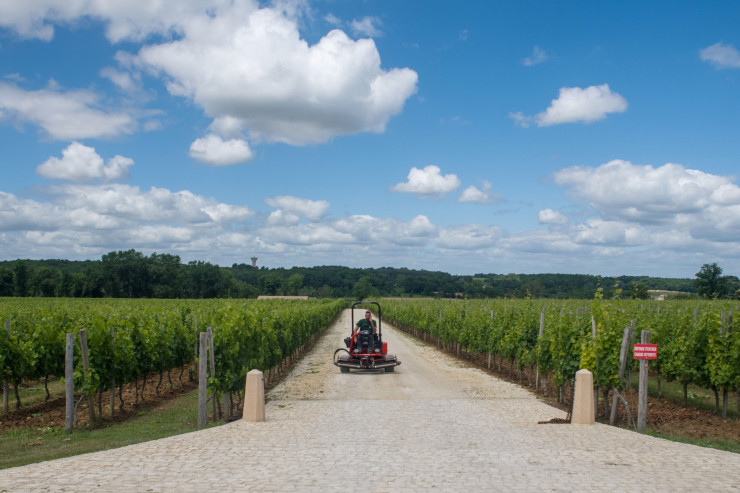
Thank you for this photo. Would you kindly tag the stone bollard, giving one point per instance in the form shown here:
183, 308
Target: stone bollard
254, 397
583, 400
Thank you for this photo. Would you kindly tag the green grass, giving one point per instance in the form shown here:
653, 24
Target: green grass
29, 446
34, 392
728, 445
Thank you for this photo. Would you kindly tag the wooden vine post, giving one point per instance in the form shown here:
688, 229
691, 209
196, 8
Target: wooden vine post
6, 387
539, 341
212, 368
596, 388
112, 378
86, 369
203, 380
623, 355
643, 387
69, 385
195, 345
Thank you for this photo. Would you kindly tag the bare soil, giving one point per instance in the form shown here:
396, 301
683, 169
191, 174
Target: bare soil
52, 413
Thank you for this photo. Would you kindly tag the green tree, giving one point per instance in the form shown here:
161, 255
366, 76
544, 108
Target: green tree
21, 278
93, 285
6, 282
166, 275
70, 284
732, 287
270, 283
709, 281
44, 281
126, 274
206, 280
363, 289
637, 291
294, 284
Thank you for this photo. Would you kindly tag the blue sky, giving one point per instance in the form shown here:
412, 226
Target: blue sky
466, 137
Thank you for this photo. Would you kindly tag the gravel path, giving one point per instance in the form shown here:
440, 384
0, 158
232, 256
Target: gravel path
434, 423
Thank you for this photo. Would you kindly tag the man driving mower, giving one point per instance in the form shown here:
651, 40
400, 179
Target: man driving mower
365, 348
366, 324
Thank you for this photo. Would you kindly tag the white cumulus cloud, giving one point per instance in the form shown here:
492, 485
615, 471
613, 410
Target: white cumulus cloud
609, 232
669, 197
538, 56
312, 210
80, 163
233, 59
158, 205
549, 216
483, 195
428, 182
132, 20
251, 64
215, 151
367, 26
63, 115
623, 189
575, 104
721, 55
387, 232
468, 237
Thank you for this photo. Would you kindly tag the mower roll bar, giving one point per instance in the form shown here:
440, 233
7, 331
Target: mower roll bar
380, 318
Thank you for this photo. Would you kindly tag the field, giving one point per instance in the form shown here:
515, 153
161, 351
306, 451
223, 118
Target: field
270, 334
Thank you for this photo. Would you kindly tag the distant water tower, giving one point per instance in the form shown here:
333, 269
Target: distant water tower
254, 261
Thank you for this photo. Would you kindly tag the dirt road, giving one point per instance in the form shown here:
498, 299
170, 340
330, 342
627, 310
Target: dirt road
424, 374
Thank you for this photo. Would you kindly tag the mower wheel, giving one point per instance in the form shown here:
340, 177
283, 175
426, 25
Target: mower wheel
344, 369
389, 369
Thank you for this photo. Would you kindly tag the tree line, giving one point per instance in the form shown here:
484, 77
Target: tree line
131, 274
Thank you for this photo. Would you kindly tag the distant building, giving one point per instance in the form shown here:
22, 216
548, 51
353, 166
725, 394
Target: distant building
265, 297
254, 261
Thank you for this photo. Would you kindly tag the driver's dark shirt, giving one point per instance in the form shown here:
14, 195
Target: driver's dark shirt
364, 324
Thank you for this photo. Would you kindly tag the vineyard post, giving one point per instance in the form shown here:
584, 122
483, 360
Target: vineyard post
195, 344
203, 381
86, 368
629, 367
69, 382
6, 387
726, 330
642, 390
596, 388
112, 378
228, 404
212, 363
489, 352
623, 353
539, 341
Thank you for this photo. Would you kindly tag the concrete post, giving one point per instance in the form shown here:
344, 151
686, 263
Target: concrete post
583, 400
254, 398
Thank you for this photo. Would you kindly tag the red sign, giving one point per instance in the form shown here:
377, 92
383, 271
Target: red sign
645, 351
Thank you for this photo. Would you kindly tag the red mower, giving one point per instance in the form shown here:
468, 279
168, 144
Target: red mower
365, 350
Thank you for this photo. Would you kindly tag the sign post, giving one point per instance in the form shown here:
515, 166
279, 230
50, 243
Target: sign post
644, 352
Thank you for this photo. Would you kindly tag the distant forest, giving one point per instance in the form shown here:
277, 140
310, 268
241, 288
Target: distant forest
130, 274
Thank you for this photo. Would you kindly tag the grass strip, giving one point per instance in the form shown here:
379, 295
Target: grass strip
727, 445
32, 445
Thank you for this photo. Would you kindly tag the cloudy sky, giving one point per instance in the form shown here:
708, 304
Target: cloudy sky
466, 137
